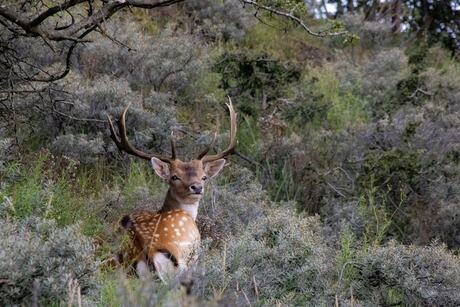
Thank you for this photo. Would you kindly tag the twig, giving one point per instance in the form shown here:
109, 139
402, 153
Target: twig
256, 289
79, 119
293, 18
335, 189
419, 90
113, 39
246, 297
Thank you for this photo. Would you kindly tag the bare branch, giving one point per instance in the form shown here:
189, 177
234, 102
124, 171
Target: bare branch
103, 32
294, 18
35, 26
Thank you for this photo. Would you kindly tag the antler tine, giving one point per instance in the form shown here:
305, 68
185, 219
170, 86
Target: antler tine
208, 148
123, 143
233, 142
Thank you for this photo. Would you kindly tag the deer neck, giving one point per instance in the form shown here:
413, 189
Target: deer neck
172, 202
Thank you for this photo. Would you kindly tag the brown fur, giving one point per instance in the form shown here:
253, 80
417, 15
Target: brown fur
172, 231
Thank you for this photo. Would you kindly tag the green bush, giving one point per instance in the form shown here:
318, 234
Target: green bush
278, 259
408, 275
254, 80
228, 208
38, 260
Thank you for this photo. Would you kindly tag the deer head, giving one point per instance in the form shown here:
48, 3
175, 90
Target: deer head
186, 179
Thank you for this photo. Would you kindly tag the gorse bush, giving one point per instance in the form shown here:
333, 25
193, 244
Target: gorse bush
79, 147
227, 209
221, 20
295, 269
38, 260
122, 291
402, 152
381, 76
407, 275
163, 63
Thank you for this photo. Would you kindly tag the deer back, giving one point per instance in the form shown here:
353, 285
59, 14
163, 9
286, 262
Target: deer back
174, 232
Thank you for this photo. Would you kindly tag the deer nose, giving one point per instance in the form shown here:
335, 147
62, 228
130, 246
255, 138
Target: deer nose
196, 188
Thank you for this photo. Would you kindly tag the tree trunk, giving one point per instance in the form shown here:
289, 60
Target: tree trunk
396, 16
426, 20
350, 6
339, 11
371, 12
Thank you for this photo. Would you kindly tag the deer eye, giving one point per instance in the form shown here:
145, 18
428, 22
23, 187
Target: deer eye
174, 177
204, 178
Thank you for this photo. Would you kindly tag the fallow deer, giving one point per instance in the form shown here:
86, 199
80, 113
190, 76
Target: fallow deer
166, 239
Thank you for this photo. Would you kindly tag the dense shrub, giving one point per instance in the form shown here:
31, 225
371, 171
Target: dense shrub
373, 35
380, 78
295, 270
227, 209
447, 223
255, 80
38, 260
408, 275
163, 63
221, 19
405, 168
88, 138
122, 291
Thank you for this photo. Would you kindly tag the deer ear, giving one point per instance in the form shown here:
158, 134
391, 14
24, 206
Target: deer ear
161, 168
214, 167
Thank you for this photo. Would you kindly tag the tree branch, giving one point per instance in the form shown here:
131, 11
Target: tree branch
34, 27
75, 32
292, 17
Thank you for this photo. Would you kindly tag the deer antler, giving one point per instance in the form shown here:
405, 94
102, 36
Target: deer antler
124, 145
233, 142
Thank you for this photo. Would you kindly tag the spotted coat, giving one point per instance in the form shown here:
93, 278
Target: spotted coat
173, 232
